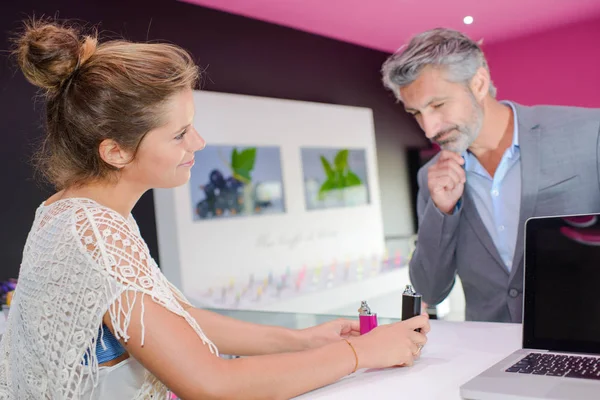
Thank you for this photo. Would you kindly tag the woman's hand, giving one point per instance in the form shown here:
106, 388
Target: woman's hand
391, 345
329, 332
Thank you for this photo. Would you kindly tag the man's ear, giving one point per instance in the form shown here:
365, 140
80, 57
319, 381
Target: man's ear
480, 84
112, 154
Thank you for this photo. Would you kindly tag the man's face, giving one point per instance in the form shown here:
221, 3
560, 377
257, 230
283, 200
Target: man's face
448, 112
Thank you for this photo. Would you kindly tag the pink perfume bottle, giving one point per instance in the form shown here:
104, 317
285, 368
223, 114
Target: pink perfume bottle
367, 319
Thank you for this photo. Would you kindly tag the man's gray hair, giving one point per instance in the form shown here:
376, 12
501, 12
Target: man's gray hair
460, 56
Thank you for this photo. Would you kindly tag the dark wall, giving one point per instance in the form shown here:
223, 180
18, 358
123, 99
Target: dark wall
241, 55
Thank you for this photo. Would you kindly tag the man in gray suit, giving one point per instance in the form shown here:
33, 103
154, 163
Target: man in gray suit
500, 163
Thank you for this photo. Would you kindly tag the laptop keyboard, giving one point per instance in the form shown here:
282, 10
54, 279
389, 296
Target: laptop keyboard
558, 365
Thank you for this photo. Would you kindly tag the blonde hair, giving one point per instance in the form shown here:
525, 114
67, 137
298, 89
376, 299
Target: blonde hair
96, 91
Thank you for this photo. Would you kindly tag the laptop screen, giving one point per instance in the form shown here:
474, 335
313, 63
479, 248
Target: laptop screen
562, 284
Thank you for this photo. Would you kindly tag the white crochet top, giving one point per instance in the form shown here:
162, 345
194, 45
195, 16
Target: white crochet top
78, 259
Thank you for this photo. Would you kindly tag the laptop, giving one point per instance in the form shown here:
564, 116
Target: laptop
560, 355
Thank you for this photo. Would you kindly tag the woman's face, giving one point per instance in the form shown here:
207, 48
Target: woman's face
166, 154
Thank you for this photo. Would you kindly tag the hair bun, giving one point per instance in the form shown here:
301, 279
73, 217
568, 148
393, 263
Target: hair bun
48, 53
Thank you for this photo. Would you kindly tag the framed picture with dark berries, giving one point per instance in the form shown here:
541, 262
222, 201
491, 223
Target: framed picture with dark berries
231, 181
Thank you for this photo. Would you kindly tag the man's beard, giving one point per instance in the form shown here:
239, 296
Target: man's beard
460, 137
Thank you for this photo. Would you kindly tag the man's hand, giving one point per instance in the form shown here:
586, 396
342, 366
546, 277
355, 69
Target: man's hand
446, 180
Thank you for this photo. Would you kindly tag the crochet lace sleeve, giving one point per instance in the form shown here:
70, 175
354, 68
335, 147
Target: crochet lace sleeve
176, 292
116, 246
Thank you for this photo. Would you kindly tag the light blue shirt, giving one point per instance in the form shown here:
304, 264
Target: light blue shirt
498, 199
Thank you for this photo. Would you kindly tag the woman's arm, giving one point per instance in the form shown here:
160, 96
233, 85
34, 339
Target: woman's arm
241, 338
174, 353
168, 346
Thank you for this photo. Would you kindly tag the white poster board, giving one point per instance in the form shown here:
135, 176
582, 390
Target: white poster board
200, 254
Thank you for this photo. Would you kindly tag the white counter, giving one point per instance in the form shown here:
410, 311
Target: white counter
455, 352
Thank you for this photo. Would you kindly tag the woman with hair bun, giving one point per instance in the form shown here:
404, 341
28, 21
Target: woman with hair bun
92, 316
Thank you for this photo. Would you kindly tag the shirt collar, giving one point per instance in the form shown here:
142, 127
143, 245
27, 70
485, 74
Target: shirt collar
515, 142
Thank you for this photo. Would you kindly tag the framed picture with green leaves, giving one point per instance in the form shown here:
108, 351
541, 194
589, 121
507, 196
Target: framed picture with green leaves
334, 177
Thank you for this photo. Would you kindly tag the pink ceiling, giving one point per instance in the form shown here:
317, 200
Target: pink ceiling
386, 24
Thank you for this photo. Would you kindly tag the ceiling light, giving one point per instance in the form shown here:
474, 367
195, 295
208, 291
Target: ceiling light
468, 20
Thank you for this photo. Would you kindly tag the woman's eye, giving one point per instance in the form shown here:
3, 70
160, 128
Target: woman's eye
180, 136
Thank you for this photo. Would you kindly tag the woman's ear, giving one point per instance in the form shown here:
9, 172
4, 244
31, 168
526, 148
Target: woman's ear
112, 154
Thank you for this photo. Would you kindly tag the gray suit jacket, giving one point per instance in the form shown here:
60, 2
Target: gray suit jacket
560, 174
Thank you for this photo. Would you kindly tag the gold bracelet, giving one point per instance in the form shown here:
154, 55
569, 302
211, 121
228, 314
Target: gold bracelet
355, 355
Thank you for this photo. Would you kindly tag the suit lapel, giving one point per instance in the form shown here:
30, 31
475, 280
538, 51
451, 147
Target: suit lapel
529, 137
470, 211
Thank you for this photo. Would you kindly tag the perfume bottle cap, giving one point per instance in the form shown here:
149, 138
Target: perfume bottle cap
364, 309
408, 290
